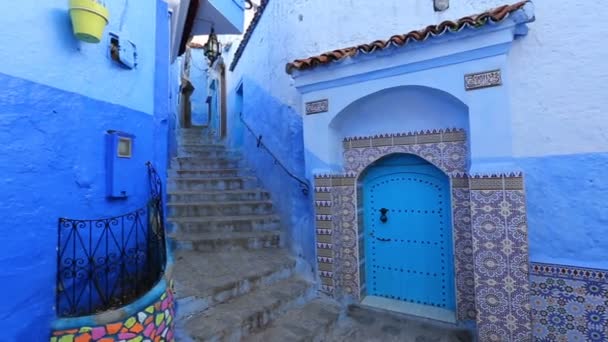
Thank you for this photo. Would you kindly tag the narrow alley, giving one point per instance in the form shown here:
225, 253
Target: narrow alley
307, 170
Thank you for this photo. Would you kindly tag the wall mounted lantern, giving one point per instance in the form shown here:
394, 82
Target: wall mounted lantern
212, 47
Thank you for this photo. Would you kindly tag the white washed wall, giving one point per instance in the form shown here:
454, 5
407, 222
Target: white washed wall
561, 67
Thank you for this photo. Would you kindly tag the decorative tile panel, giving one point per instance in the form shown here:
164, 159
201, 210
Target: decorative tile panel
569, 303
483, 80
316, 107
463, 249
345, 239
500, 250
446, 149
324, 232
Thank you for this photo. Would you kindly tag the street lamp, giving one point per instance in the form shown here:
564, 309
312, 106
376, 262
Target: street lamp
212, 47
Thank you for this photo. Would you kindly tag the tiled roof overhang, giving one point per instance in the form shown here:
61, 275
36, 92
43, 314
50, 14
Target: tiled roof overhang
254, 23
474, 21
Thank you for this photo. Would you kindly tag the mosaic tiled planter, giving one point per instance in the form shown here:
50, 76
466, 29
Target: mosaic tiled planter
150, 319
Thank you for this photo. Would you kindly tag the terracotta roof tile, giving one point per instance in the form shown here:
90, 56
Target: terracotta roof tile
474, 21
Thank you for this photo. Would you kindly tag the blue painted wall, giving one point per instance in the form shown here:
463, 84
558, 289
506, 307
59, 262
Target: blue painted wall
44, 50
198, 77
57, 99
567, 203
236, 128
281, 130
174, 102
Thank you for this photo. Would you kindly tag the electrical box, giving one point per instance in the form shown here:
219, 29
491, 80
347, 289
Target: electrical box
119, 153
123, 51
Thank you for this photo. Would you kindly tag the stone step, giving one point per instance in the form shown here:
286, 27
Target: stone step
192, 131
365, 323
211, 154
312, 322
242, 316
226, 183
203, 280
224, 224
230, 195
197, 209
226, 241
202, 146
190, 139
208, 173
187, 163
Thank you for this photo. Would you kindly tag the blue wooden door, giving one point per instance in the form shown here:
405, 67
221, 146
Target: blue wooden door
408, 235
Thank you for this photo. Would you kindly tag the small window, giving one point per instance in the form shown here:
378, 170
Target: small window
124, 147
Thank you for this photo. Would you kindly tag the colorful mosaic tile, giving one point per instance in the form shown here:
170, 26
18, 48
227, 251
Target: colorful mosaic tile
153, 324
569, 303
500, 249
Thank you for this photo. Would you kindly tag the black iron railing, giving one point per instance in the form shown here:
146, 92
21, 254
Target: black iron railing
260, 144
107, 263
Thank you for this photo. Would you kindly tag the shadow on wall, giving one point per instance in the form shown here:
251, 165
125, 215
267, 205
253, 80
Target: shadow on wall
399, 110
281, 130
63, 28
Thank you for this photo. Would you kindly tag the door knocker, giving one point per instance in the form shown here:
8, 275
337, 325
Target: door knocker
383, 217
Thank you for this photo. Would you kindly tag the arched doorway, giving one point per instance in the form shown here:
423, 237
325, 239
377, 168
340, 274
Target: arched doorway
407, 237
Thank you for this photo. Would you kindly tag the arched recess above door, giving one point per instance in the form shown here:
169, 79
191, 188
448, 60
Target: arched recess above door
400, 109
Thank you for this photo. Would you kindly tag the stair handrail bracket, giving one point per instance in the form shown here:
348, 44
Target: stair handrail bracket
105, 264
304, 186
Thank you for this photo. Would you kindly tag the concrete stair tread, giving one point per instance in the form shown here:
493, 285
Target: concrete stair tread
183, 179
202, 274
205, 144
305, 323
214, 192
247, 313
196, 158
205, 219
208, 170
211, 147
217, 203
171, 192
183, 236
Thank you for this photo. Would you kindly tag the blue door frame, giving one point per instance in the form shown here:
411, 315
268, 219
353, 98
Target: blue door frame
408, 232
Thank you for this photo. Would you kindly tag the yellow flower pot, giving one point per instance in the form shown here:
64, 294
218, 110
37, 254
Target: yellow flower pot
89, 19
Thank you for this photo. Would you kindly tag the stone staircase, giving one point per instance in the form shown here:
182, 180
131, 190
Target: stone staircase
233, 279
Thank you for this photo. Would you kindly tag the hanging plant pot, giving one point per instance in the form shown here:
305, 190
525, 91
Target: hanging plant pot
89, 19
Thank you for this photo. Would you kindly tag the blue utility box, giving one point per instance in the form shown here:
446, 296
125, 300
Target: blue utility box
119, 153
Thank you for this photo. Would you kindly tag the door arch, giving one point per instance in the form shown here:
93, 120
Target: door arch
408, 236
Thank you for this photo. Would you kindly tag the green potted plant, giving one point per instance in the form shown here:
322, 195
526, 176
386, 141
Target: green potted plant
89, 19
